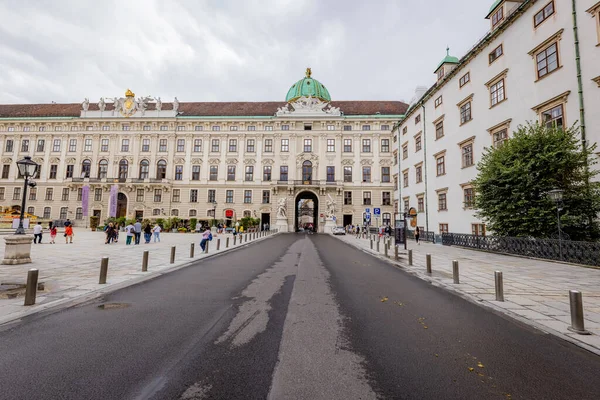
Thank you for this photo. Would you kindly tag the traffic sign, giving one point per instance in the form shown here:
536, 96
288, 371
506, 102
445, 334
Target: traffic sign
377, 211
368, 217
368, 210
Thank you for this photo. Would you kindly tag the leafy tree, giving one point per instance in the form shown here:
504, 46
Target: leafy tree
514, 179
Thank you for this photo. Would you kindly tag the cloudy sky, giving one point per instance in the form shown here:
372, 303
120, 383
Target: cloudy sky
228, 50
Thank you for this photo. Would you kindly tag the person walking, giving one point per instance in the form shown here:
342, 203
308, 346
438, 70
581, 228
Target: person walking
69, 233
130, 232
52, 234
206, 236
109, 231
417, 235
138, 231
147, 233
37, 233
357, 231
156, 231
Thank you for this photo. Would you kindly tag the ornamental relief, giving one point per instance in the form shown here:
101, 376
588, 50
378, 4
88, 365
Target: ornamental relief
231, 161
385, 162
366, 162
250, 161
38, 160
55, 160
214, 161
347, 211
180, 161
348, 161
196, 161
71, 160
7, 160
268, 161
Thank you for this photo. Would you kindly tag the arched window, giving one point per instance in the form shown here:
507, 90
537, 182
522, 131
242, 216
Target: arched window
174, 212
63, 213
79, 213
307, 171
387, 218
247, 213
102, 168
156, 211
86, 167
161, 169
144, 169
193, 213
123, 167
47, 212
31, 210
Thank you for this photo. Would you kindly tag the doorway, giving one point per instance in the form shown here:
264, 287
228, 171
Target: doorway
307, 211
347, 219
121, 205
265, 218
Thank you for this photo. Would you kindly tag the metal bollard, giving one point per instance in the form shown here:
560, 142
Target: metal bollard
191, 250
31, 290
103, 270
172, 254
227, 242
234, 240
206, 246
499, 285
428, 263
396, 253
371, 241
378, 246
218, 244
455, 271
410, 263
385, 250
577, 324
145, 261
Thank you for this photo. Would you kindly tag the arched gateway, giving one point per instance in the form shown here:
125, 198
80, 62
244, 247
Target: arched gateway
307, 211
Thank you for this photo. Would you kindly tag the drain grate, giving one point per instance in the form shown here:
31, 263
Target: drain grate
112, 306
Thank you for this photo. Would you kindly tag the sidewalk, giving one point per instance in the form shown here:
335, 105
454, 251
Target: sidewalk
70, 272
535, 291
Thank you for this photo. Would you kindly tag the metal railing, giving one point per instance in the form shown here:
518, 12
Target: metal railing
426, 236
586, 253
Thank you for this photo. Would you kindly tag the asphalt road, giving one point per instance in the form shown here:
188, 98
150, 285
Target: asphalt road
291, 317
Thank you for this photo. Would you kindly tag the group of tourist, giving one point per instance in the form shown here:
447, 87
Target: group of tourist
38, 232
133, 233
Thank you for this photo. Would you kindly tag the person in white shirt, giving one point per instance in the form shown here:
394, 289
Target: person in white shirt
37, 233
156, 231
130, 229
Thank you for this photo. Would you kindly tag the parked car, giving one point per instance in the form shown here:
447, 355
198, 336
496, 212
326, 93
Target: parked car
339, 230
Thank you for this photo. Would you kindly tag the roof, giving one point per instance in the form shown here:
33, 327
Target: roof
447, 60
203, 109
493, 7
308, 86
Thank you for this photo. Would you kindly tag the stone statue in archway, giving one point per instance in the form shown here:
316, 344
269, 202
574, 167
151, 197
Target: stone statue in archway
330, 207
282, 208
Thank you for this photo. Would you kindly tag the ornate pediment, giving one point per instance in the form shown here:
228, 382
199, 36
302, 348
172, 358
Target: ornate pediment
385, 162
71, 160
268, 161
38, 160
308, 106
180, 160
7, 160
196, 161
250, 161
54, 160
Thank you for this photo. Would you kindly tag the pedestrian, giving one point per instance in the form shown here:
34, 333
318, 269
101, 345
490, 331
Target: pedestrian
357, 231
52, 233
67, 222
156, 231
130, 232
116, 232
109, 231
69, 233
147, 233
206, 236
138, 231
198, 226
417, 235
37, 233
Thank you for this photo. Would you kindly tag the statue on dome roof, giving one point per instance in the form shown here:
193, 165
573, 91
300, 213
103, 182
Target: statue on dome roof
101, 104
158, 103
86, 104
308, 72
175, 104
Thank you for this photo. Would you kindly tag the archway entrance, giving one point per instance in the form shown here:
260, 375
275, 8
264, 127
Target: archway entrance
121, 205
307, 211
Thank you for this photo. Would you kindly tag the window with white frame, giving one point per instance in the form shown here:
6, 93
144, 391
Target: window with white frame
307, 145
405, 178
180, 145
438, 101
285, 145
268, 145
465, 112
250, 146
385, 145
347, 145
466, 151
497, 94
440, 164
197, 145
496, 53
87, 145
232, 146
366, 145
330, 145
215, 145
145, 145
464, 79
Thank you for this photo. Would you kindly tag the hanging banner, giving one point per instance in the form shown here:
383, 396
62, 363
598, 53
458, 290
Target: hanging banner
85, 200
114, 190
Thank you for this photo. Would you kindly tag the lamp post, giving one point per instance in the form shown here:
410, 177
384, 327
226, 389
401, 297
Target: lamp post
557, 196
27, 169
214, 203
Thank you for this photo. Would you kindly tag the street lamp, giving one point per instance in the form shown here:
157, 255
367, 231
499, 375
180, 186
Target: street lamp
27, 169
557, 196
214, 203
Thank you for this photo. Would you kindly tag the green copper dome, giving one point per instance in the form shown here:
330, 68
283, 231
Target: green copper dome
448, 59
308, 86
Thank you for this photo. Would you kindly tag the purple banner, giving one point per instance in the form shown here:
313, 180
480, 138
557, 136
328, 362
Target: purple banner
85, 200
113, 201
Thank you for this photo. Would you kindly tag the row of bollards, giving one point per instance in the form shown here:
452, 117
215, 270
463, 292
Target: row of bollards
33, 274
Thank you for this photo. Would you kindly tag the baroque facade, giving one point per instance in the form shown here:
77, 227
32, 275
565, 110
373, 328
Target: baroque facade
525, 69
199, 160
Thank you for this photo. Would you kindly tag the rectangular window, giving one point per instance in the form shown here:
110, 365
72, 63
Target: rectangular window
440, 163
145, 145
180, 145
385, 174
25, 145
145, 128
139, 196
283, 173
404, 130
366, 174
215, 145
162, 145
5, 171
478, 229
179, 172
406, 204
366, 127
195, 172
157, 195
213, 173
63, 213
180, 127
439, 130
543, 14
418, 144
197, 145
386, 198
285, 145
440, 75
367, 198
405, 179
267, 173
56, 145
330, 173
499, 137
249, 176
419, 173
247, 196
2, 193
229, 196
468, 197
347, 174
104, 145
70, 169
266, 196
442, 206
467, 155
98, 194
65, 194
268, 145
465, 113
231, 173
330, 127
495, 54
420, 204
40, 145
216, 128
268, 128
125, 145
330, 145
53, 171
41, 129
385, 127
553, 117
497, 92
438, 101
347, 198
547, 60
46, 212
498, 16
250, 146
307, 145
193, 195
232, 145
72, 145
366, 145
443, 228
405, 151
417, 119
212, 194
87, 145
464, 79
126, 127
49, 194
252, 128
176, 195
385, 145
347, 145
285, 127
347, 127
17, 193
33, 194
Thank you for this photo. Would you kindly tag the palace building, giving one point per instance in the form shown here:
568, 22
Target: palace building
204, 160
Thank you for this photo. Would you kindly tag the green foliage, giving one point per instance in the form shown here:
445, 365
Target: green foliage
193, 222
248, 222
161, 222
94, 220
514, 180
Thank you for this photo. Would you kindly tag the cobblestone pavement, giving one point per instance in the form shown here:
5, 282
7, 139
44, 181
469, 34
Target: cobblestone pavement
535, 291
70, 272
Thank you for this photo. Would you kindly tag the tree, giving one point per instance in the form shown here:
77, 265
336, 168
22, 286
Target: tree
514, 179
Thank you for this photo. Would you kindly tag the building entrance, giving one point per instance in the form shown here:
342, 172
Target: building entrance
347, 219
265, 218
307, 211
121, 205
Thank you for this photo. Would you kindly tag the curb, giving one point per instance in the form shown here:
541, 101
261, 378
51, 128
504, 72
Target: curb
488, 305
65, 303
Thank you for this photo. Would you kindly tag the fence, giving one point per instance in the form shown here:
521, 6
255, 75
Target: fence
586, 253
426, 236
